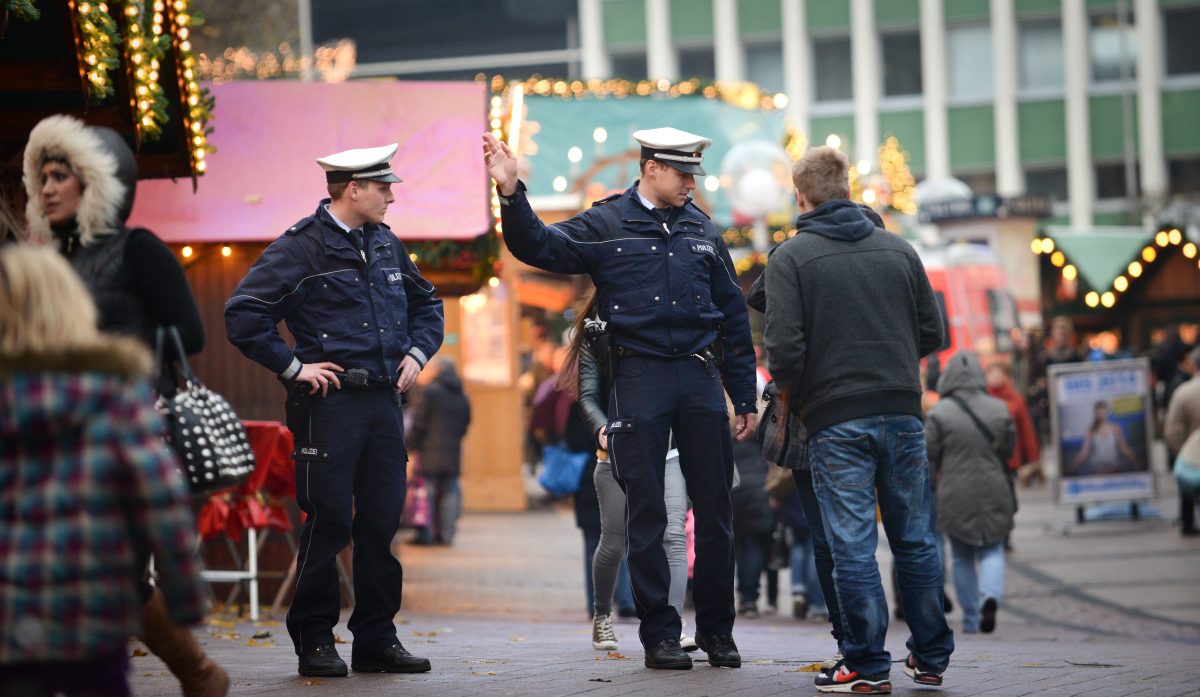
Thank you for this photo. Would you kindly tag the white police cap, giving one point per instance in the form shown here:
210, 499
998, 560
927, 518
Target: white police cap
371, 164
671, 146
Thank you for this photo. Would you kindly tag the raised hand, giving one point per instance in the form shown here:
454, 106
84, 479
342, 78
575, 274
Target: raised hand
501, 164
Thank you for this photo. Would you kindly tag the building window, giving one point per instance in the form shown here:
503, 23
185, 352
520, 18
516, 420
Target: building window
1051, 183
631, 66
764, 66
901, 64
831, 69
1040, 49
1111, 44
698, 62
1181, 28
1110, 180
1184, 176
969, 61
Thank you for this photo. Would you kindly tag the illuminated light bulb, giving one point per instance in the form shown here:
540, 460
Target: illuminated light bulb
1092, 299
780, 101
193, 100
91, 59
187, 251
185, 45
560, 184
834, 141
1135, 268
1121, 284
712, 183
575, 154
198, 140
413, 256
1108, 299
226, 250
154, 75
1162, 239
1069, 272
1149, 254
1035, 246
863, 167
188, 74
600, 134
195, 126
494, 282
143, 105
1057, 258
868, 196
201, 166
1047, 245
1175, 236
183, 32
85, 8
1189, 250
142, 90
135, 42
199, 153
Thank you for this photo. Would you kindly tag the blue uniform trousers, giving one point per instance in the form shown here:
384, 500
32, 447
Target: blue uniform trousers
350, 481
651, 397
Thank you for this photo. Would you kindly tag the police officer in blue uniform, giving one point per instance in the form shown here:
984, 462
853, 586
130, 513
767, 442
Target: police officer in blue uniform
677, 321
365, 322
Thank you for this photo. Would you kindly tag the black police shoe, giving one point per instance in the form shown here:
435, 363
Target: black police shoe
392, 659
322, 662
668, 655
721, 650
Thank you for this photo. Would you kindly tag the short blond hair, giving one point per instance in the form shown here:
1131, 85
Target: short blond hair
44, 305
823, 174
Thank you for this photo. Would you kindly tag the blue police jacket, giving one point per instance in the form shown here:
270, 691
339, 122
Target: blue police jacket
358, 314
661, 289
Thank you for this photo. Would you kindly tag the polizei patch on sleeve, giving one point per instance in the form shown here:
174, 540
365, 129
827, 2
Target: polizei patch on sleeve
702, 247
625, 425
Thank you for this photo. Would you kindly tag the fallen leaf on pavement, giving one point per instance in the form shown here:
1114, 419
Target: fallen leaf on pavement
810, 668
226, 635
262, 635
516, 638
139, 651
599, 680
416, 633
260, 644
314, 681
218, 622
338, 639
617, 655
490, 672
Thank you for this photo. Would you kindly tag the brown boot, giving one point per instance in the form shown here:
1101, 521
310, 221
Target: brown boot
198, 675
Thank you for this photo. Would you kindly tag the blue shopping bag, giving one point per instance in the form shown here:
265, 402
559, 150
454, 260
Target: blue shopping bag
561, 470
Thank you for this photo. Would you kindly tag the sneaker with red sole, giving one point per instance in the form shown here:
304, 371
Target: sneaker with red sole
842, 679
919, 675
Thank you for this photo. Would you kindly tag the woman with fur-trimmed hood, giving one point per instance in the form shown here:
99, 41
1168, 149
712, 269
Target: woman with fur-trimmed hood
87, 488
80, 181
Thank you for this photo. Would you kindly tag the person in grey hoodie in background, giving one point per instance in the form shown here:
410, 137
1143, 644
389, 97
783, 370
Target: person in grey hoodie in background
851, 314
970, 436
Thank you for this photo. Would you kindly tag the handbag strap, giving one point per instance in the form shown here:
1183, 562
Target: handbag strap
993, 443
161, 358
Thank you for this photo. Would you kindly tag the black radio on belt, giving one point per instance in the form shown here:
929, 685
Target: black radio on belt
355, 377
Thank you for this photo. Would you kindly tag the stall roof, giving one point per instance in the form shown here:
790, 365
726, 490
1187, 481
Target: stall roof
1103, 253
263, 177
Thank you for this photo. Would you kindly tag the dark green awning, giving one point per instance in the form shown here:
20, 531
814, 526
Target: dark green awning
1100, 254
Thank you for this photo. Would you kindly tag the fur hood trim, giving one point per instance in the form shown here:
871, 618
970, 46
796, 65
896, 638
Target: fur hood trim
92, 159
118, 355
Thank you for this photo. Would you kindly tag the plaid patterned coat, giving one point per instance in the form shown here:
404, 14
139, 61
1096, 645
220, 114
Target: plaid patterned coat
86, 481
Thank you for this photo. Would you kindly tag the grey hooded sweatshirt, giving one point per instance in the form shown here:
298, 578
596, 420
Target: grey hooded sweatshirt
975, 502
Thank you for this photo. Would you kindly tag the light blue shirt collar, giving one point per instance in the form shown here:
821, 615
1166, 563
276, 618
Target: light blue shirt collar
345, 228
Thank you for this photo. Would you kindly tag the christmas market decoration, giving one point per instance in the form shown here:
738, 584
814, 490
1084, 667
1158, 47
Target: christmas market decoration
330, 63
98, 43
198, 113
145, 47
21, 10
1108, 283
893, 186
743, 94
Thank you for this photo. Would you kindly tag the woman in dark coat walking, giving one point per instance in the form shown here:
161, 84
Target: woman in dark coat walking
439, 424
970, 436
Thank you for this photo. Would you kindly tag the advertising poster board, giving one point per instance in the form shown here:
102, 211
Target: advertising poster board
1101, 429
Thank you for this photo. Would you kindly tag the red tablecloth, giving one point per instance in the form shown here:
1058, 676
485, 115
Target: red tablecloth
258, 502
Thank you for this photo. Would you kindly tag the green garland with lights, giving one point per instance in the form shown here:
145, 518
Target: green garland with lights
23, 10
478, 256
743, 94
99, 36
146, 47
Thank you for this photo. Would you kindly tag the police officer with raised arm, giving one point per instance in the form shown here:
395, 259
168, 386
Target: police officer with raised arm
678, 328
365, 323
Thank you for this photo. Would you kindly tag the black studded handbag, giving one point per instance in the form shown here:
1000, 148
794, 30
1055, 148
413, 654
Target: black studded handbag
200, 425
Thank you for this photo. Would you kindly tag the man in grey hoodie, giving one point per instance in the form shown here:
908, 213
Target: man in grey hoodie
851, 314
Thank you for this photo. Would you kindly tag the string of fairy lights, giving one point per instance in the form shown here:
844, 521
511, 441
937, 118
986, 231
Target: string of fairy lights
149, 31
1107, 298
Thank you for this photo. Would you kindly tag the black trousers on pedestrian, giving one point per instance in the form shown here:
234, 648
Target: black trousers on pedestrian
350, 482
651, 397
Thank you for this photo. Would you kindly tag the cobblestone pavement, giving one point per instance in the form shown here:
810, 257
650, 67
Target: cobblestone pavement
1100, 609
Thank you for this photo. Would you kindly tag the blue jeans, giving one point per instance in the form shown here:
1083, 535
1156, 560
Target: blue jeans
750, 560
445, 505
822, 556
804, 573
856, 464
973, 588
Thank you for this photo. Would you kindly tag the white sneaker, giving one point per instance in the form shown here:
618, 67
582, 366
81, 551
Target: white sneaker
686, 641
603, 636
830, 663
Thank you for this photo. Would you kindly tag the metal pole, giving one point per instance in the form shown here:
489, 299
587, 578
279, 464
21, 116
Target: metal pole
304, 10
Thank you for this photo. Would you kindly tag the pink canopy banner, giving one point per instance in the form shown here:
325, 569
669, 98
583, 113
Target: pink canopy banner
264, 177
